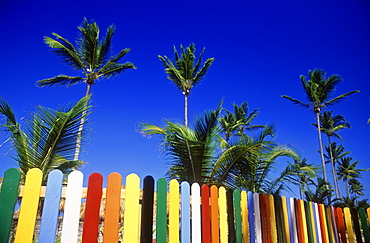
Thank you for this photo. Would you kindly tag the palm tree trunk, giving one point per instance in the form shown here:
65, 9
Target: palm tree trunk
347, 188
335, 177
78, 141
321, 150
186, 109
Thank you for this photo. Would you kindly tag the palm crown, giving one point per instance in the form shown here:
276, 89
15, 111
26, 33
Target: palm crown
318, 90
185, 71
91, 56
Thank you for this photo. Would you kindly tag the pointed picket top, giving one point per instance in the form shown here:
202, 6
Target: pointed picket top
131, 215
71, 218
185, 212
28, 210
50, 211
8, 198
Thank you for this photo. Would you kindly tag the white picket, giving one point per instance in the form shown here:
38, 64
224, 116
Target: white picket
72, 207
196, 236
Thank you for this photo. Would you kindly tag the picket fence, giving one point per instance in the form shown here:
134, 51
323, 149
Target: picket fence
175, 213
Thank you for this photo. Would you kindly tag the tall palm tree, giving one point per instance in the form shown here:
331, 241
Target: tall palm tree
238, 121
49, 138
334, 153
319, 90
185, 71
347, 171
92, 56
330, 125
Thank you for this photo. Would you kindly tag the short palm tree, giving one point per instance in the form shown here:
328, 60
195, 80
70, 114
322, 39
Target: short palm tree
49, 138
305, 173
190, 150
330, 125
347, 170
248, 163
91, 56
185, 71
322, 193
356, 187
319, 90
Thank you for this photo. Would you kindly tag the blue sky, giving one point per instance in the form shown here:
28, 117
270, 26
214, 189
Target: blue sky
260, 49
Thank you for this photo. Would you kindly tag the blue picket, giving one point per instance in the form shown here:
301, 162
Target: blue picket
50, 211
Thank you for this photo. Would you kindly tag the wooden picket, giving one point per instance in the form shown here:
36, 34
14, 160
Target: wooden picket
195, 214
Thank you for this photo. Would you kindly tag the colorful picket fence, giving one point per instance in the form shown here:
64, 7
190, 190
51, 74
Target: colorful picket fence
178, 213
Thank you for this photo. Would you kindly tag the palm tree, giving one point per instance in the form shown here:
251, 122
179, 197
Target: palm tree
185, 71
196, 154
347, 171
190, 150
330, 125
356, 187
238, 121
49, 139
247, 163
91, 56
322, 194
334, 153
318, 91
305, 173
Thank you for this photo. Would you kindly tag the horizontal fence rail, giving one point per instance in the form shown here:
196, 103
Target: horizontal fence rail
173, 213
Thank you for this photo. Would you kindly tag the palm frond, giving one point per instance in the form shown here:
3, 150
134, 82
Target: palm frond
49, 140
295, 101
112, 69
60, 80
340, 97
64, 49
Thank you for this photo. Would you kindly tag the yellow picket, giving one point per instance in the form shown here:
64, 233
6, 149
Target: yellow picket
244, 204
348, 220
174, 213
273, 219
131, 223
223, 214
28, 210
286, 219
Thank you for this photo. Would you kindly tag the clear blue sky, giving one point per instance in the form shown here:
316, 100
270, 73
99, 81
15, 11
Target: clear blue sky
260, 49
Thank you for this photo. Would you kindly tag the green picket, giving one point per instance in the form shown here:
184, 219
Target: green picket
8, 198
